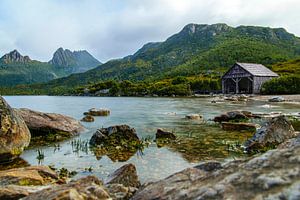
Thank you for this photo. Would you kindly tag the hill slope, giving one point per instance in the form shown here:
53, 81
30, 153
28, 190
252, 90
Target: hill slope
17, 69
196, 49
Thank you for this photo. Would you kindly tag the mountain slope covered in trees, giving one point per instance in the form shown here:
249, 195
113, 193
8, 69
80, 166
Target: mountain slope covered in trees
197, 50
16, 69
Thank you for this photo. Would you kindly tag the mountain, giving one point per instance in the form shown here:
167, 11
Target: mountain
16, 69
198, 49
13, 57
74, 62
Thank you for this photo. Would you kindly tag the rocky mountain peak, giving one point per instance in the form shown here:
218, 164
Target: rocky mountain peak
14, 57
77, 61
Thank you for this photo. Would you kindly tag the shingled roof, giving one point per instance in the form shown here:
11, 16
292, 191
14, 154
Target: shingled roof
257, 69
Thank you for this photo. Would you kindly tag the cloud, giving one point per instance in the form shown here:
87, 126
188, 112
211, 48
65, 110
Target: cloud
112, 29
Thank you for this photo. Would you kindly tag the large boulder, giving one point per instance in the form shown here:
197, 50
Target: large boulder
125, 175
275, 131
115, 135
85, 188
51, 125
232, 116
272, 175
14, 134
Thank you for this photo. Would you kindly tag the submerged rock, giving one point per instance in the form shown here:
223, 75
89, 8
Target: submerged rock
89, 187
54, 126
194, 117
14, 134
234, 126
274, 132
118, 135
232, 116
161, 134
272, 175
88, 118
276, 99
125, 175
98, 112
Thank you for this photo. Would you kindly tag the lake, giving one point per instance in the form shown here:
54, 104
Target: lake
200, 141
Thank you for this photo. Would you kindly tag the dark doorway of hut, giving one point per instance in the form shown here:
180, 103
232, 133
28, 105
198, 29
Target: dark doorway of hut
238, 85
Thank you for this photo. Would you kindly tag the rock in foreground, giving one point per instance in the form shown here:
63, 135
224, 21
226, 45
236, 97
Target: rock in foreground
274, 132
126, 175
50, 124
272, 175
85, 188
33, 175
14, 134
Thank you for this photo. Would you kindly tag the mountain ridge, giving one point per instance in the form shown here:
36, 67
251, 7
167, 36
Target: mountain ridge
18, 69
196, 50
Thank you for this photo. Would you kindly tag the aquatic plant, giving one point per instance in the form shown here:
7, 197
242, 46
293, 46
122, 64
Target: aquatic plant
40, 156
80, 145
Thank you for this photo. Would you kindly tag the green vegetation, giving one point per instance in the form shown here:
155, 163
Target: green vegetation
16, 69
205, 51
179, 86
282, 85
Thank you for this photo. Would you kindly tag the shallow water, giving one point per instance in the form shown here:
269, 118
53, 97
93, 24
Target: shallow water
199, 141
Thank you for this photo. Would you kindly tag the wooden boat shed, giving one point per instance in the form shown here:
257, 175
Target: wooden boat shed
246, 78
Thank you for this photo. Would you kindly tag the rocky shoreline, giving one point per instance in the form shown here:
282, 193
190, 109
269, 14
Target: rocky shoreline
273, 172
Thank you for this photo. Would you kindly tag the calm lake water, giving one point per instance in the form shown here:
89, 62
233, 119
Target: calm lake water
199, 141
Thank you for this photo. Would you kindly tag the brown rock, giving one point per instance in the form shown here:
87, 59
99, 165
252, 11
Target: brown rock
126, 175
14, 134
231, 116
194, 117
88, 118
34, 175
233, 126
85, 188
98, 112
15, 192
161, 134
41, 124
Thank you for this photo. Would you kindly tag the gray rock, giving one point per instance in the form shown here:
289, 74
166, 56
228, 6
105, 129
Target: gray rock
41, 124
274, 132
125, 175
14, 134
272, 175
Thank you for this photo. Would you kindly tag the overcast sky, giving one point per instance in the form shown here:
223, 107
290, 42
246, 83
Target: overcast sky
116, 28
